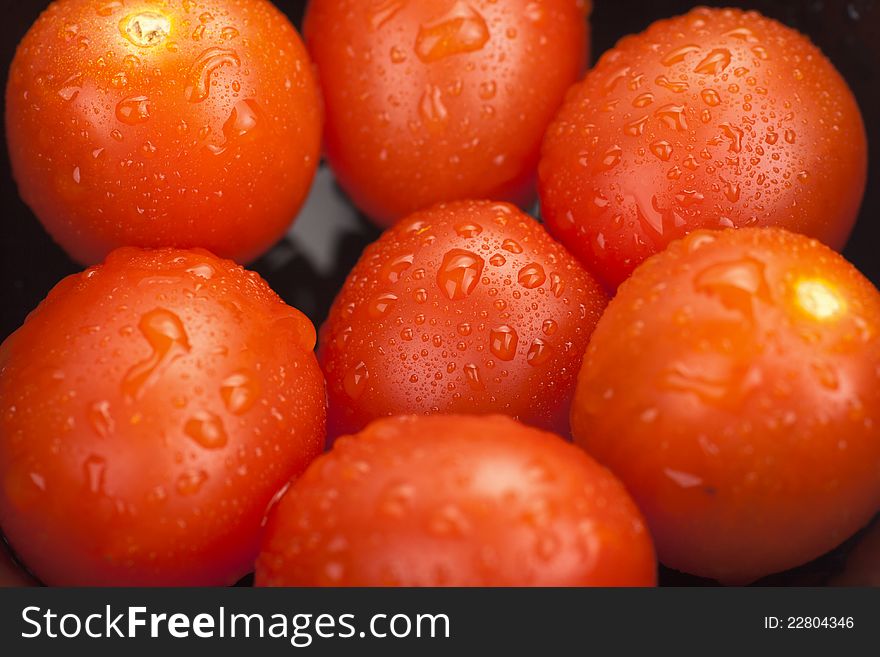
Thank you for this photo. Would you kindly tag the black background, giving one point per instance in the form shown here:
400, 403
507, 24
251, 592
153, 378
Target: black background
308, 268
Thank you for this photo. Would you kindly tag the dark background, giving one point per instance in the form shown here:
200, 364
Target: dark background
310, 265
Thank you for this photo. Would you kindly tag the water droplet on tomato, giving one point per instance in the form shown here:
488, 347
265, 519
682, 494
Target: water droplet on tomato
207, 430
94, 468
203, 68
133, 110
714, 63
459, 273
531, 276
165, 334
503, 341
356, 381
381, 304
460, 30
191, 481
100, 419
239, 392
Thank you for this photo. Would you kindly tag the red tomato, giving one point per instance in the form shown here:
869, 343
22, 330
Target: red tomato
719, 118
455, 501
180, 124
734, 386
150, 408
439, 100
464, 308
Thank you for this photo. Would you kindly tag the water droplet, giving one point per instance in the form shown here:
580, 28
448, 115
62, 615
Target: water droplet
734, 135
549, 327
382, 12
497, 260
468, 229
133, 110
207, 430
511, 246
472, 374
674, 87
190, 482
459, 273
503, 341
662, 149
203, 68
394, 268
460, 30
100, 418
790, 136
636, 127
165, 334
488, 90
242, 124
672, 116
396, 501
539, 352
557, 285
714, 63
381, 304
678, 55
239, 392
643, 100
611, 158
449, 521
736, 284
465, 329
145, 29
531, 276
683, 479
356, 381
688, 197
94, 468
431, 105
710, 97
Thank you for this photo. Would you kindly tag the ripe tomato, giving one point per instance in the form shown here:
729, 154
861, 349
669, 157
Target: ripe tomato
463, 308
455, 501
439, 100
733, 384
173, 124
719, 118
150, 408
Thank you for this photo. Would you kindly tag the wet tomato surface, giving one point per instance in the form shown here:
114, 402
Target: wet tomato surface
455, 501
734, 386
468, 307
150, 408
441, 100
719, 118
188, 124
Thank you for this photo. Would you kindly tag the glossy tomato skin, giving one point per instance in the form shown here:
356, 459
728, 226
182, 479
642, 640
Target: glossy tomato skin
193, 124
468, 307
455, 501
732, 385
150, 408
718, 118
441, 100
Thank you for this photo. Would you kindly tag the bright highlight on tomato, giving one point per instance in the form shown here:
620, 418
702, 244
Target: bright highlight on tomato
189, 124
718, 118
733, 385
441, 100
150, 409
463, 308
455, 501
